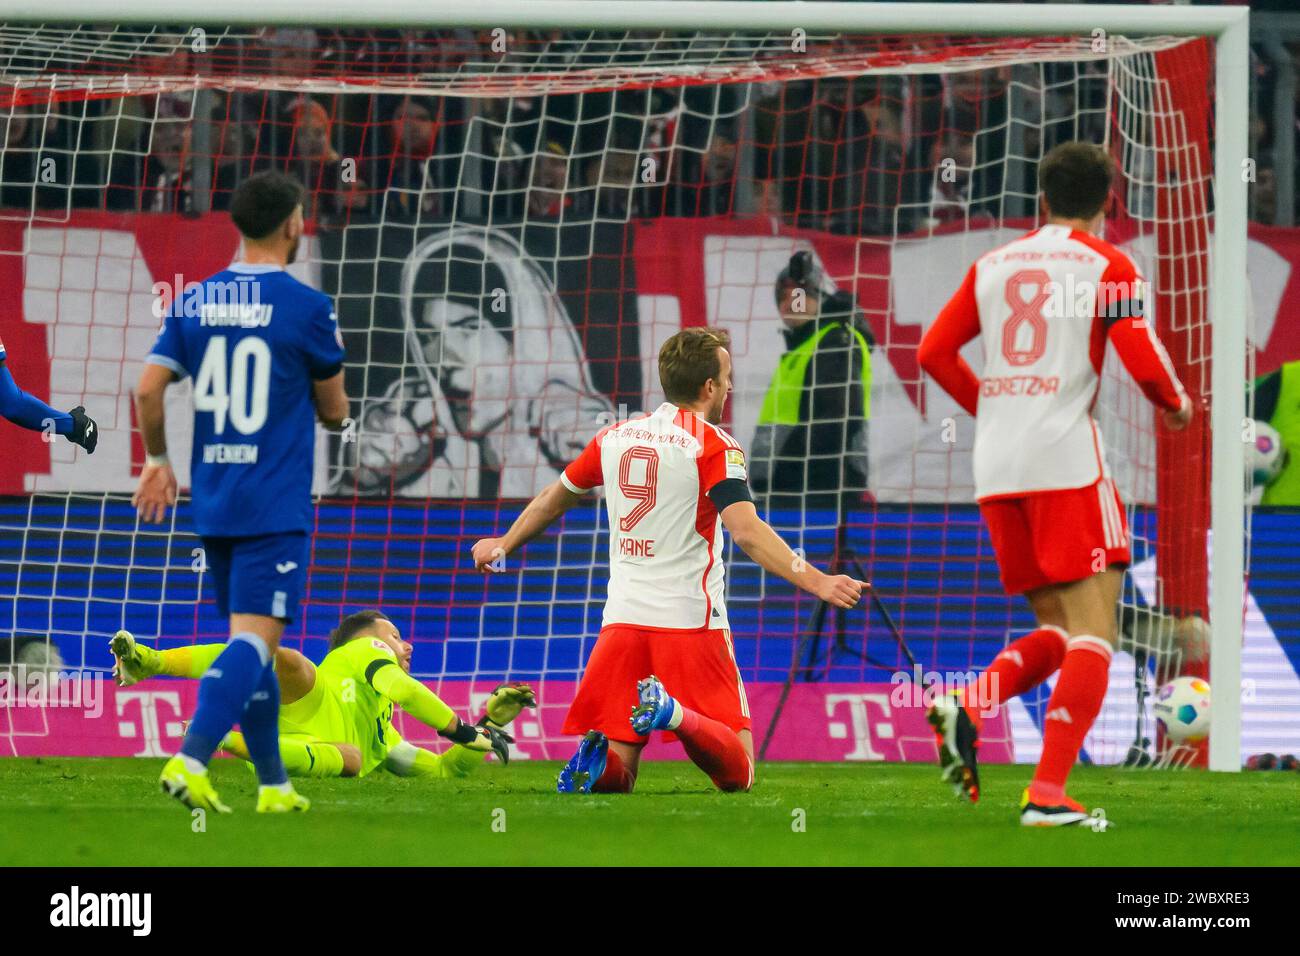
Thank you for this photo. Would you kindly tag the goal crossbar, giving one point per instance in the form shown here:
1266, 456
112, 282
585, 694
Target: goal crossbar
864, 18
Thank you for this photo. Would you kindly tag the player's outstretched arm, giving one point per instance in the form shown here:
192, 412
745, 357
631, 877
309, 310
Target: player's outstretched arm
554, 500
30, 412
407, 760
756, 538
428, 708
157, 488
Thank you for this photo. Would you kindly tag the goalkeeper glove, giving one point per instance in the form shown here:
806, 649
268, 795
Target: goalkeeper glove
84, 430
485, 739
505, 702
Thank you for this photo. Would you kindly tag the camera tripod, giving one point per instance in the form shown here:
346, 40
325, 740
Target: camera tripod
815, 645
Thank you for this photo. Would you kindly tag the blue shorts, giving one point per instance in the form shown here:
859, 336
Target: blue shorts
263, 574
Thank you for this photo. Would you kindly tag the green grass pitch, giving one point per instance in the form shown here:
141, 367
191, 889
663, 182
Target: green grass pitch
109, 812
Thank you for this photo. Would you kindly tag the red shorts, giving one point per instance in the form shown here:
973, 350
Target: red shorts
697, 667
1055, 537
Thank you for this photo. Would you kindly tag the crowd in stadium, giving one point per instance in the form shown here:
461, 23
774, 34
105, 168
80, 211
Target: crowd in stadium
832, 154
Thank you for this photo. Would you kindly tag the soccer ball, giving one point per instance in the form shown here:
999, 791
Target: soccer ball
1183, 709
1266, 456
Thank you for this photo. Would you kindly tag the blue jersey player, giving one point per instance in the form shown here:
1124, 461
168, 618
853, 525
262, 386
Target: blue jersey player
30, 412
266, 358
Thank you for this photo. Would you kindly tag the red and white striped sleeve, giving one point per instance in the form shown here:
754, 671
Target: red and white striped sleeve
724, 473
1121, 306
713, 460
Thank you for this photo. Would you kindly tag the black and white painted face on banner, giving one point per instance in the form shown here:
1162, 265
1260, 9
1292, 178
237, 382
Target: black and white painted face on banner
495, 386
472, 359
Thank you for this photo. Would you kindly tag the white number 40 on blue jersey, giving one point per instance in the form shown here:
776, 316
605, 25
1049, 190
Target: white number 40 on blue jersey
237, 389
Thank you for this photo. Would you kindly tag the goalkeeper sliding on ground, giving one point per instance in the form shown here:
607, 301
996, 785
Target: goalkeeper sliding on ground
336, 719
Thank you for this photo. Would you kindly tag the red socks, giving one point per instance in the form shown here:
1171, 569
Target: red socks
1022, 666
1084, 662
616, 778
716, 749
1073, 707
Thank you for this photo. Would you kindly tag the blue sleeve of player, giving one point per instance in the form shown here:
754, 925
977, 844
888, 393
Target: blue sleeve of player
28, 410
169, 349
324, 346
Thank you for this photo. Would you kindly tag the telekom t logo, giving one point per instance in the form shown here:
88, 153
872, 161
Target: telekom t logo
152, 726
859, 726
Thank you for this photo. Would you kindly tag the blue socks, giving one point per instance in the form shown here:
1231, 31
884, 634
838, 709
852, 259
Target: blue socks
261, 727
224, 694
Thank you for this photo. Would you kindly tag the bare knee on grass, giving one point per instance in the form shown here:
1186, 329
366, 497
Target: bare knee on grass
351, 760
736, 784
747, 738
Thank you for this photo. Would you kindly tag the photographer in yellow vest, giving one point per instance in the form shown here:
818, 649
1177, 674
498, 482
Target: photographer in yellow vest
810, 447
1277, 401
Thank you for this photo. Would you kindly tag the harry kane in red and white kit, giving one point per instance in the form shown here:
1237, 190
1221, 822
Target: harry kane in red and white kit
664, 659
1046, 306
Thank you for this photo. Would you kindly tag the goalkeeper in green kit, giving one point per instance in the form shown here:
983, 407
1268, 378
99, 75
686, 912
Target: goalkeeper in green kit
336, 718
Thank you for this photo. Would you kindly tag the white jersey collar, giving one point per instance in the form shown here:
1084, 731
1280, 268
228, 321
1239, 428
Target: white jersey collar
255, 268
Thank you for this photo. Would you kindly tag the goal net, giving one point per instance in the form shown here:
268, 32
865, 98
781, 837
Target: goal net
511, 222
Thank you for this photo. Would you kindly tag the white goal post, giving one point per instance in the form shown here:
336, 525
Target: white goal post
1227, 28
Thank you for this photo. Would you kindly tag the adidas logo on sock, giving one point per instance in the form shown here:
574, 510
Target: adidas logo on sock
1060, 714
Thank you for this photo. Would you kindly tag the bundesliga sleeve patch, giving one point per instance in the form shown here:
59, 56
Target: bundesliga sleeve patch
379, 645
735, 463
